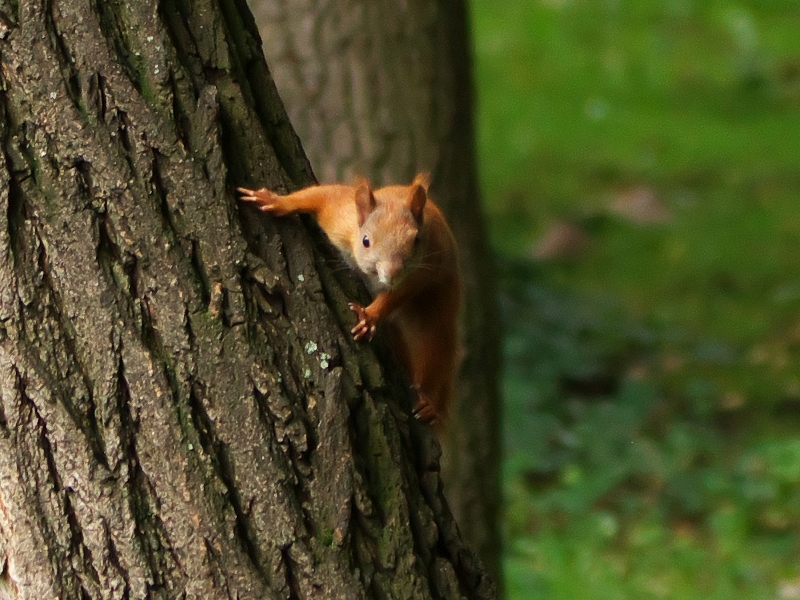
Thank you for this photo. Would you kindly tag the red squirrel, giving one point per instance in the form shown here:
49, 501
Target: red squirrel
399, 240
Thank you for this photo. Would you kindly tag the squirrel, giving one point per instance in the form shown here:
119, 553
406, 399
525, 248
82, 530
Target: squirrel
399, 240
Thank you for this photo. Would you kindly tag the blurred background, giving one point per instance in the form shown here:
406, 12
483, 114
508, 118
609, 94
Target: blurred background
640, 167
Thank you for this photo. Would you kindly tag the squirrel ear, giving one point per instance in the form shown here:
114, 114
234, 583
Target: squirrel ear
416, 203
365, 201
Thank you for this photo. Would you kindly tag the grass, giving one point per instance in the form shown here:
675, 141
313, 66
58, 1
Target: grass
652, 386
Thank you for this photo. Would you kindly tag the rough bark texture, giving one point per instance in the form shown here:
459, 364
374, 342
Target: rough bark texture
182, 411
384, 89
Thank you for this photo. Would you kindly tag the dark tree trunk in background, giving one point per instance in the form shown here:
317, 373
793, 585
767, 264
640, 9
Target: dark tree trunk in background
182, 411
384, 89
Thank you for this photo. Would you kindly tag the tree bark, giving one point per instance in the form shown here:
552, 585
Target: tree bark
182, 410
384, 89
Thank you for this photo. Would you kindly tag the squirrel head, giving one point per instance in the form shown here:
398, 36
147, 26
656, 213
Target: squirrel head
390, 221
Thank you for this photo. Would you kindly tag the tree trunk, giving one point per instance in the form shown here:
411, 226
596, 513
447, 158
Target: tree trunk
182, 410
384, 89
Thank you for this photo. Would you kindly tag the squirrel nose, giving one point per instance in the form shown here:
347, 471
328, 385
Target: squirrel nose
387, 272
384, 277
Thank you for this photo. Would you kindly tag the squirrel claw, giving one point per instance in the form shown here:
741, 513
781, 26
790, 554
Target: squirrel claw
423, 410
248, 194
263, 197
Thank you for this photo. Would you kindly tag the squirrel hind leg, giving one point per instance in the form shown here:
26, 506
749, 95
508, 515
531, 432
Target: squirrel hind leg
432, 370
424, 410
427, 412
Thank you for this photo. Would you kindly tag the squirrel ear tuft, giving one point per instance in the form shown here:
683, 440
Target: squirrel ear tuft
422, 179
365, 201
416, 201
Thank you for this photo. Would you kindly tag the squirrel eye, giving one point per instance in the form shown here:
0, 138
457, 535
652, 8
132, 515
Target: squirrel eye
366, 241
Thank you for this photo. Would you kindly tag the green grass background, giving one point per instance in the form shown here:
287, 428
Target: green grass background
652, 386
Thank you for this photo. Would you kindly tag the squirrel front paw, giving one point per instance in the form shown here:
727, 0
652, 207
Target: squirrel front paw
265, 199
366, 325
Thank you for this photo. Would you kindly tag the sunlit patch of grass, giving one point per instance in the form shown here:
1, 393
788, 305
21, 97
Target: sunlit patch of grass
596, 557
